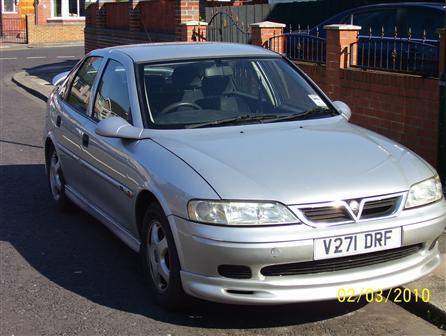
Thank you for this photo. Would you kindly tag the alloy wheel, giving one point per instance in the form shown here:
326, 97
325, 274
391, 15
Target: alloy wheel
158, 253
55, 173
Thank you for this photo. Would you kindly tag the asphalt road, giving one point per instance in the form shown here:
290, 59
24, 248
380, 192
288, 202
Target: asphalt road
67, 274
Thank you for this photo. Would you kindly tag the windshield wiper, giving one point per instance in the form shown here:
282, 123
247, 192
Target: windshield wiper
269, 117
303, 115
235, 120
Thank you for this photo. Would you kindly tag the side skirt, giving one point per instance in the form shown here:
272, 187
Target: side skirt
120, 232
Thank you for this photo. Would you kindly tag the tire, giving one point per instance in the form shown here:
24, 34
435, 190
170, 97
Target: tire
160, 261
56, 181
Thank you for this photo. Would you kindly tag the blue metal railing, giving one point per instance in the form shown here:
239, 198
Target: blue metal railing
404, 55
300, 47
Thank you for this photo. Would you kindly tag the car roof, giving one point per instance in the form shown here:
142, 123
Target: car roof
437, 5
153, 52
433, 5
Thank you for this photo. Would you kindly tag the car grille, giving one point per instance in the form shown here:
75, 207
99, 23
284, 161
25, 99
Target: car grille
235, 271
342, 263
327, 214
379, 208
343, 212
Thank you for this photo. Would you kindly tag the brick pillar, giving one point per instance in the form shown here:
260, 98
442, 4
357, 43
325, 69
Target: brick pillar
186, 11
134, 16
192, 31
262, 32
442, 64
339, 39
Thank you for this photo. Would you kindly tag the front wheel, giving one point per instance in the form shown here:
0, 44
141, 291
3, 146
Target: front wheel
160, 260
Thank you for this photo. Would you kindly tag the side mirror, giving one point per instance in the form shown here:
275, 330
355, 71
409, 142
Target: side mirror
117, 127
343, 109
58, 79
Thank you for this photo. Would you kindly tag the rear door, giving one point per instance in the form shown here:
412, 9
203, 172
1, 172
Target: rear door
70, 110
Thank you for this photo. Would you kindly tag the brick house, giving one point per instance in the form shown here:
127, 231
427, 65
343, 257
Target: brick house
46, 20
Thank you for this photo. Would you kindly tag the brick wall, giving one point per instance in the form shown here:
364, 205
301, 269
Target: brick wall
117, 15
185, 11
102, 38
54, 32
151, 21
43, 11
402, 107
158, 15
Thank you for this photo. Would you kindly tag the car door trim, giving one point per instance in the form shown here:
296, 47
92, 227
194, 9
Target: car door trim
129, 193
117, 229
66, 151
107, 178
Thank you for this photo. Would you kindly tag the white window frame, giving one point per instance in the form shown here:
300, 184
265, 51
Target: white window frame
14, 2
65, 11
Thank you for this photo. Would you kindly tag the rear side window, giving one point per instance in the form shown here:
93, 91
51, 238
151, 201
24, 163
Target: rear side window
112, 98
80, 90
424, 19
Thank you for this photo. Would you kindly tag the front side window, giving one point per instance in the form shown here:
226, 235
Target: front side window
80, 90
9, 6
112, 98
188, 94
375, 21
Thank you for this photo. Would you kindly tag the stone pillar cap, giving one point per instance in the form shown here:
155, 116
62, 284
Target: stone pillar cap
268, 24
342, 27
195, 23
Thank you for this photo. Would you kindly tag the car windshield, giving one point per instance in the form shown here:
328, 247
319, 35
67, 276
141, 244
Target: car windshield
219, 92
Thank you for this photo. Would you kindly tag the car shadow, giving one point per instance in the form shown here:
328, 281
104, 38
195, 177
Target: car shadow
76, 252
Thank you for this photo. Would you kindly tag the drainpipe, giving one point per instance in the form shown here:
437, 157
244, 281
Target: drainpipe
442, 131
36, 11
442, 111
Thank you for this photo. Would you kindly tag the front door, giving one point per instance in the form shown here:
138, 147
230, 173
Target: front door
111, 188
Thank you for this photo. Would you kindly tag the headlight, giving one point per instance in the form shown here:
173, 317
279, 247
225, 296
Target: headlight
239, 213
424, 192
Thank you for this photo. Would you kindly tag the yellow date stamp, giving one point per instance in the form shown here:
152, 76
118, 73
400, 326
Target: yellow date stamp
396, 295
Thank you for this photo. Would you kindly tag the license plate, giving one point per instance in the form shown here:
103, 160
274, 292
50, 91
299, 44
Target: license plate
357, 243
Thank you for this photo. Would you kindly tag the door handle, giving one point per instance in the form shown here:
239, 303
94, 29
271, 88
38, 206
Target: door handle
85, 140
58, 121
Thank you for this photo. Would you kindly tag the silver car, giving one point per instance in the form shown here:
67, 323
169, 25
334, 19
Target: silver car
236, 178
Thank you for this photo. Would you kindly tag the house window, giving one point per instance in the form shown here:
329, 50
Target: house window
9, 6
68, 8
57, 8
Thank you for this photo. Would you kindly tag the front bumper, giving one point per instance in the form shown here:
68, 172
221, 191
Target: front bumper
202, 248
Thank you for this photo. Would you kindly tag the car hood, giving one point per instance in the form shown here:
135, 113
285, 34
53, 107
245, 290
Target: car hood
296, 162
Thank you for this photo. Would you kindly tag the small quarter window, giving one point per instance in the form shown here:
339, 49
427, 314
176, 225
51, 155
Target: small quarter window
112, 98
80, 90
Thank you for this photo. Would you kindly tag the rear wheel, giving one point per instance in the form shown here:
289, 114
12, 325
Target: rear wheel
160, 260
56, 181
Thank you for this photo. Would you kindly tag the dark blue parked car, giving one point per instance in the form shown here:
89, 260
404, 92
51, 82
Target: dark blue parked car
418, 16
395, 36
